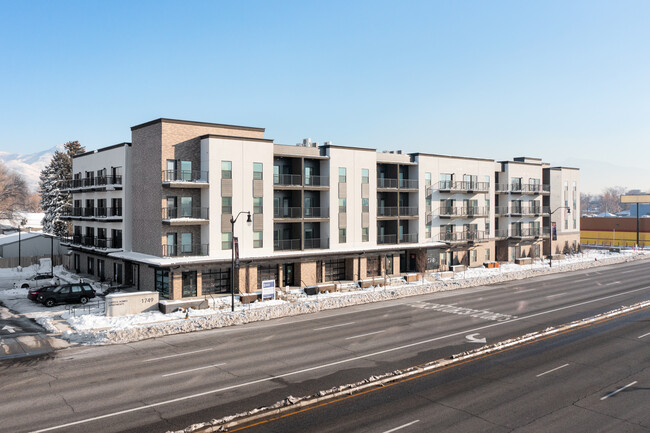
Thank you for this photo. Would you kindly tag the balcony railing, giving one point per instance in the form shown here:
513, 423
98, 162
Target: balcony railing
386, 182
317, 181
287, 212
91, 182
286, 244
316, 212
463, 236
316, 243
523, 188
287, 179
408, 183
386, 239
390, 211
462, 186
185, 250
463, 211
93, 241
169, 213
525, 232
408, 211
184, 176
408, 238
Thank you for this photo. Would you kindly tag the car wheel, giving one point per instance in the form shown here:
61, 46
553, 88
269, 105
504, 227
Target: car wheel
83, 299
49, 303
25, 286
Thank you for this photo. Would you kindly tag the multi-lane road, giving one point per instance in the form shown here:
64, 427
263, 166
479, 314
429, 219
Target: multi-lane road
172, 382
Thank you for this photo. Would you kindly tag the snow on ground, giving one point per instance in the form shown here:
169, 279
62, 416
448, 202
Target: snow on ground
88, 325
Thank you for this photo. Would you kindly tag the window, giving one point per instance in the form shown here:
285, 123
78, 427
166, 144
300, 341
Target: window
474, 256
186, 171
257, 170
515, 183
365, 234
186, 207
427, 179
443, 259
226, 241
186, 242
170, 248
427, 231
215, 281
116, 209
389, 264
566, 224
365, 205
226, 169
258, 205
575, 224
162, 283
117, 238
226, 205
100, 269
343, 205
342, 175
335, 270
189, 283
91, 266
446, 180
342, 236
258, 241
487, 255
428, 204
433, 257
365, 175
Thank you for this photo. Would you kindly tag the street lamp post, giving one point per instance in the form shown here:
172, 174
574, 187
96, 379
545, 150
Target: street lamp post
550, 256
232, 264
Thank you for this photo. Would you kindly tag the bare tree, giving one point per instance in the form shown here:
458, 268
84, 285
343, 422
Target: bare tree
13, 193
611, 199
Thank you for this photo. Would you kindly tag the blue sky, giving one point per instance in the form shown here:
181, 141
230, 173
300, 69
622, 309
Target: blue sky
563, 80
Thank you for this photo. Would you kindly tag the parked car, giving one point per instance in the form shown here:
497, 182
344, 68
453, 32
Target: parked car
36, 293
38, 280
68, 294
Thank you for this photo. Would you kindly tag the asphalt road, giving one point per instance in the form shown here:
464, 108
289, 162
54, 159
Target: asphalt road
587, 380
169, 383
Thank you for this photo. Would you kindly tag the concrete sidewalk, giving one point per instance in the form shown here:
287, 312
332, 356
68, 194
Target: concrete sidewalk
22, 346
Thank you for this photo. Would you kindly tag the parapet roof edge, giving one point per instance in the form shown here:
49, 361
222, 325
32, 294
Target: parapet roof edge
191, 122
451, 156
559, 167
232, 137
336, 146
114, 146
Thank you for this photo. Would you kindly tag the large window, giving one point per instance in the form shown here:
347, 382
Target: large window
162, 283
342, 236
365, 205
267, 272
226, 241
226, 205
186, 207
365, 175
189, 284
226, 169
365, 236
258, 204
342, 175
427, 179
335, 270
373, 266
186, 242
343, 205
258, 170
433, 259
215, 281
258, 239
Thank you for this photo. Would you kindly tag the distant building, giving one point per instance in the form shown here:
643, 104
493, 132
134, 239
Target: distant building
618, 231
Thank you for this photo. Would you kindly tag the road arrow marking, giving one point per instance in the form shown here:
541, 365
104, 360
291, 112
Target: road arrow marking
472, 338
9, 328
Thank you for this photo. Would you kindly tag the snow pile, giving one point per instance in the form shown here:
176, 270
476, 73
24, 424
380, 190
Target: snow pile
96, 329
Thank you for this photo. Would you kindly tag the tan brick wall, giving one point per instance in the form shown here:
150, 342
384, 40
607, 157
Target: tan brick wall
306, 273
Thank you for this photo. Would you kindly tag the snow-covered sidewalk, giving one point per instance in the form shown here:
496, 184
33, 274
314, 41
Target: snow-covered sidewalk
90, 326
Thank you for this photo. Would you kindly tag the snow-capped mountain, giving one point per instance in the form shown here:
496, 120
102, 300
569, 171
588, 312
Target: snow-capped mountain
29, 165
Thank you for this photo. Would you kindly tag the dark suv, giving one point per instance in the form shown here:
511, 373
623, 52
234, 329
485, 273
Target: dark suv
68, 293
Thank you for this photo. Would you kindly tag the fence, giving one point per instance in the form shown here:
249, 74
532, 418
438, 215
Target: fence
12, 262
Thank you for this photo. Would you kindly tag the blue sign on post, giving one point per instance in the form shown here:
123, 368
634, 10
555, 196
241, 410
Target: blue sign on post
268, 289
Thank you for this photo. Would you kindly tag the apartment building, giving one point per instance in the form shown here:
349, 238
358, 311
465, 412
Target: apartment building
191, 193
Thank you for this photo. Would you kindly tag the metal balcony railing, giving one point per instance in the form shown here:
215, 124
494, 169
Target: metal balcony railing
523, 188
386, 182
184, 176
525, 232
93, 241
286, 244
463, 211
390, 211
386, 239
408, 238
185, 250
316, 212
408, 211
287, 212
169, 213
287, 179
408, 183
317, 181
90, 182
317, 243
463, 236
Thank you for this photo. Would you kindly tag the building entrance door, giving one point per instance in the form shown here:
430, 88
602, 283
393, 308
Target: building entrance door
288, 274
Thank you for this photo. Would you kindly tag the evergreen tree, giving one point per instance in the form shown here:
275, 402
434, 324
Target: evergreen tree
54, 201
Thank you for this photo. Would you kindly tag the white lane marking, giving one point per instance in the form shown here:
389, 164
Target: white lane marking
474, 339
402, 426
552, 370
193, 369
644, 335
630, 271
11, 329
618, 390
364, 335
524, 291
178, 354
613, 282
334, 326
584, 279
555, 296
330, 364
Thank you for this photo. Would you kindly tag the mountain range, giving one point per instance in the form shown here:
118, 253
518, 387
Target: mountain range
29, 165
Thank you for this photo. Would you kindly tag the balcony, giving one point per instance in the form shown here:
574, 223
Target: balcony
185, 250
462, 186
465, 236
185, 178
288, 180
185, 215
391, 211
317, 181
286, 245
386, 239
96, 183
523, 188
523, 233
316, 212
408, 211
386, 183
316, 243
287, 212
408, 183
93, 242
408, 238
463, 212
